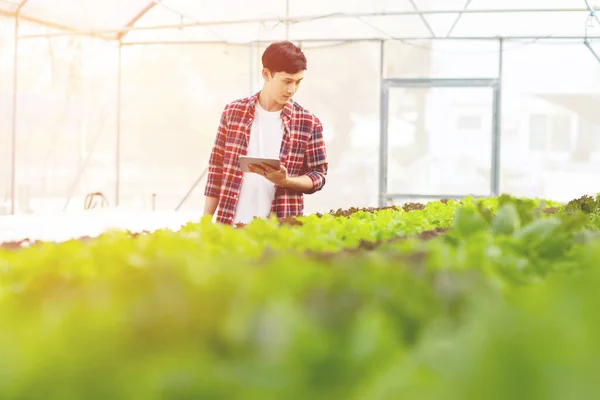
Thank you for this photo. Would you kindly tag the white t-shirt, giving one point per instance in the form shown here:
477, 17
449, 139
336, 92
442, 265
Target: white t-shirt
257, 193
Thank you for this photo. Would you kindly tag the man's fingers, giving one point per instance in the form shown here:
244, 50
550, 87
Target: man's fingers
266, 170
256, 168
268, 167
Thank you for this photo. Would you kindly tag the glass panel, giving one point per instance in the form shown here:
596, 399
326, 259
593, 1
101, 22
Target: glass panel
223, 10
9, 6
66, 123
367, 27
441, 59
538, 85
440, 140
345, 96
173, 97
232, 33
85, 14
532, 24
307, 7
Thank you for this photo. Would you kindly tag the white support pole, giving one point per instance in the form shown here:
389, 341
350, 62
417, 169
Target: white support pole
13, 155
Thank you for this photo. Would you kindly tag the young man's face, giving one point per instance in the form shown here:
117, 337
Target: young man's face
281, 85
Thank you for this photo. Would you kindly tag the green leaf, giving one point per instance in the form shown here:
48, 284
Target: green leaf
468, 222
507, 220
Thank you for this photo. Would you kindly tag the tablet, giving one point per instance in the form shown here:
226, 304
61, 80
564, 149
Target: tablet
245, 161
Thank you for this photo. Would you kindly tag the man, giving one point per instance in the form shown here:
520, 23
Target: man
268, 124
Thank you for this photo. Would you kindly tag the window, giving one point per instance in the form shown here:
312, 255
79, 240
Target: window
550, 133
538, 132
560, 136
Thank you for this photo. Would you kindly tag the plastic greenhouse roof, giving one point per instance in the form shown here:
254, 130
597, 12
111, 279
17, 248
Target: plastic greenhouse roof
243, 21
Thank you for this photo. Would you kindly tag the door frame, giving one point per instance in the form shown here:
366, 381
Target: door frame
386, 84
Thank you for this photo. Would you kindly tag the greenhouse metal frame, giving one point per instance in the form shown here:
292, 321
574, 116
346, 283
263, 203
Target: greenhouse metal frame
18, 12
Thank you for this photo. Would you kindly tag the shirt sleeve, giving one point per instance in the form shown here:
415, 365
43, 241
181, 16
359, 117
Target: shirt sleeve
215, 161
315, 159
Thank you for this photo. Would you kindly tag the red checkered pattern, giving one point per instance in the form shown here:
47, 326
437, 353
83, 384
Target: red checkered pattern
302, 153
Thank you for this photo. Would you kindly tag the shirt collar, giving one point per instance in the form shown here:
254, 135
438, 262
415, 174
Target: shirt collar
287, 108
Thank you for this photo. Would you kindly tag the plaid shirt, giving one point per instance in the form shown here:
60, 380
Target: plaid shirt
302, 153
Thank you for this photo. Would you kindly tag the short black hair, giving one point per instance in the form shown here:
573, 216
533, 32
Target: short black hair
284, 56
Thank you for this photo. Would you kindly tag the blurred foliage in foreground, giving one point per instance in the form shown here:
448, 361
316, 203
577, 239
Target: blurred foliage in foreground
501, 306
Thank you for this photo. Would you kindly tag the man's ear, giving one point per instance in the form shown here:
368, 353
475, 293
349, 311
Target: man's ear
266, 74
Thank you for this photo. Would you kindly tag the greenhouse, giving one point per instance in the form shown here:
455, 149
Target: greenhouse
123, 98
450, 254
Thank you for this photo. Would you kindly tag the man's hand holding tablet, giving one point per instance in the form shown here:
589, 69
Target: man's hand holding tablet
271, 169
246, 161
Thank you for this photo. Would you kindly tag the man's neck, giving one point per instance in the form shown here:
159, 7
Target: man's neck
267, 103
